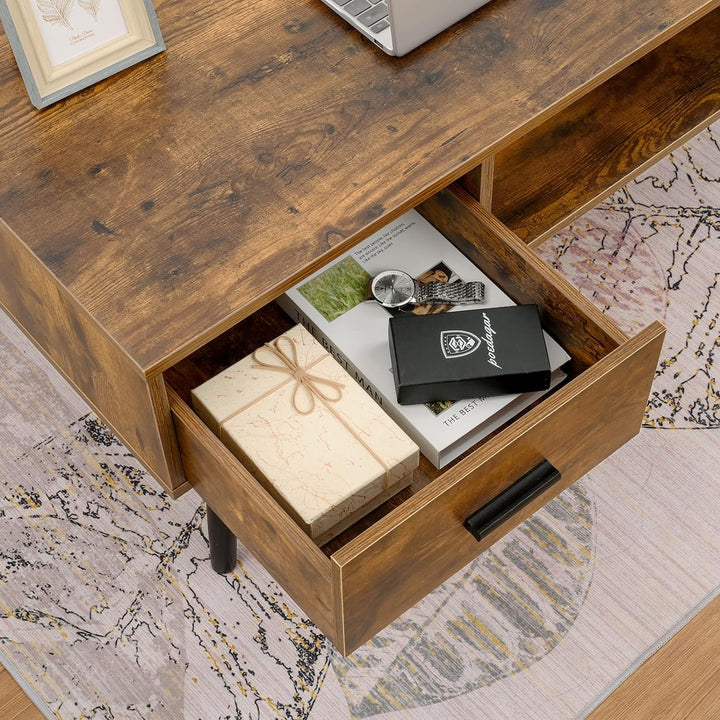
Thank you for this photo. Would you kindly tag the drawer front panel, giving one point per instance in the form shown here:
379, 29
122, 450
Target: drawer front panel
410, 552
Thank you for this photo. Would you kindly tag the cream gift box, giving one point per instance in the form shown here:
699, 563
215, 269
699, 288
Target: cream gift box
324, 449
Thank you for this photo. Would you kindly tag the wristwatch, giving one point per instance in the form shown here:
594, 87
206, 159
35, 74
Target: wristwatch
396, 288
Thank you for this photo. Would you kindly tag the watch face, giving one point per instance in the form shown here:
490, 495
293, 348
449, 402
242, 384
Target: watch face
393, 288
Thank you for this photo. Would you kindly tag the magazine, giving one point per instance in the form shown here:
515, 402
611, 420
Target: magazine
333, 305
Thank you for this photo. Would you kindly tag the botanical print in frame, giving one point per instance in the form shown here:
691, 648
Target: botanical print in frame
62, 46
71, 28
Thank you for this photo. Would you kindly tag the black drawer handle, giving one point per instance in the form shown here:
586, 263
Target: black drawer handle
509, 501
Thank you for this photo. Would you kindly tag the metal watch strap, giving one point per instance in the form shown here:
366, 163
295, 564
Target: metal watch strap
455, 293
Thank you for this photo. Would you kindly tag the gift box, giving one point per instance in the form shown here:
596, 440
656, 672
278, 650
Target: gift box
468, 354
318, 443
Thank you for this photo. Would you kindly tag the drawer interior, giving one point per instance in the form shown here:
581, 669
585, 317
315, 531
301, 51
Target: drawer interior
361, 580
583, 331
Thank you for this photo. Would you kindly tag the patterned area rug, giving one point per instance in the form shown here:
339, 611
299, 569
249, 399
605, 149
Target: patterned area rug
109, 607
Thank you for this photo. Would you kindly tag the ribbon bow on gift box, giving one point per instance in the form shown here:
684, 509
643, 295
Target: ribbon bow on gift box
305, 380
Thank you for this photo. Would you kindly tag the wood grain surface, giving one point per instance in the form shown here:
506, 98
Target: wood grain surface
576, 158
14, 703
89, 359
480, 181
404, 556
681, 681
180, 195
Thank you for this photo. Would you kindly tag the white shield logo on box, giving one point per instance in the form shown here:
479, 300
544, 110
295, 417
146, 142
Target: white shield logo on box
458, 343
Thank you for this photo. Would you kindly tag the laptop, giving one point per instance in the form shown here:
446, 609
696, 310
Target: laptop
399, 26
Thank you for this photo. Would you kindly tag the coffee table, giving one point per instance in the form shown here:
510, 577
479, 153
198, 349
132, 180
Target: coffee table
149, 222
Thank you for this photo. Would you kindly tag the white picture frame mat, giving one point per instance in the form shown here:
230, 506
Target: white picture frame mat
50, 79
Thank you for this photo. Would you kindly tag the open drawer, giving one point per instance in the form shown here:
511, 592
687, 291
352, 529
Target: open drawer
366, 577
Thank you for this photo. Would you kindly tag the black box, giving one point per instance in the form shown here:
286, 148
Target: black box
468, 354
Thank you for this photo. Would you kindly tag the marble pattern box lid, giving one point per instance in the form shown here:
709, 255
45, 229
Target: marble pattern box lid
324, 449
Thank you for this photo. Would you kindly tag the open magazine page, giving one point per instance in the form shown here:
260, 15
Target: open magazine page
333, 305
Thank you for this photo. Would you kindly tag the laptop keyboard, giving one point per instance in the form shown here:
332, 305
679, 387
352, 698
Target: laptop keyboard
372, 14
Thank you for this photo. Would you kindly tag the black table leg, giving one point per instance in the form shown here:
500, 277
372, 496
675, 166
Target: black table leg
223, 545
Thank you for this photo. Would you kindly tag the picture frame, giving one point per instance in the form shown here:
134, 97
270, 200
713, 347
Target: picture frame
63, 46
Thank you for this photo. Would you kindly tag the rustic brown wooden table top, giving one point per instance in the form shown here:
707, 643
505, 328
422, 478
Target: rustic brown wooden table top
180, 195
